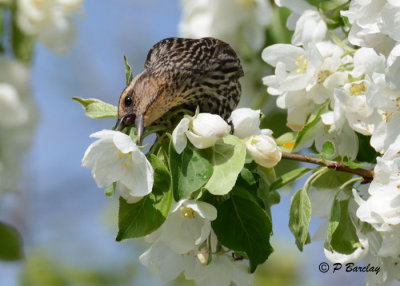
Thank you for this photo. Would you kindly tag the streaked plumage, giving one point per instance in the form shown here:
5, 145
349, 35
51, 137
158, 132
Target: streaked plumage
192, 72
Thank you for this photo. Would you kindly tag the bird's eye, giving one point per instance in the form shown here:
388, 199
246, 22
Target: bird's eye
128, 101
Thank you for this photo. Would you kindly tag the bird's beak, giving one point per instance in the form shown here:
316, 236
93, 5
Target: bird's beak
127, 120
120, 124
139, 127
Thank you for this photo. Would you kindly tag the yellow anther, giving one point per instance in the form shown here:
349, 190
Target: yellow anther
358, 89
387, 115
301, 62
188, 213
322, 75
127, 158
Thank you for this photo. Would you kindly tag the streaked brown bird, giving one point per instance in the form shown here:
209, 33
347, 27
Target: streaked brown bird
191, 72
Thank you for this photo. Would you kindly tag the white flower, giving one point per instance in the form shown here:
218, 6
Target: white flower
310, 27
298, 8
202, 130
116, 158
12, 111
188, 225
221, 272
50, 20
264, 150
246, 122
168, 262
209, 18
393, 68
382, 208
18, 119
304, 77
366, 19
386, 102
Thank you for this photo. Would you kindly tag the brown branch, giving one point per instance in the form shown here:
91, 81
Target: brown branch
367, 175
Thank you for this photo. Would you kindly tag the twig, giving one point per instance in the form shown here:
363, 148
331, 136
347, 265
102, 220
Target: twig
367, 175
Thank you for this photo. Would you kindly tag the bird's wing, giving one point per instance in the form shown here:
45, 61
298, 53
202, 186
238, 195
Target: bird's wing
193, 57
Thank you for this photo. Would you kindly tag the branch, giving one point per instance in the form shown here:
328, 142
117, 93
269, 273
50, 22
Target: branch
367, 175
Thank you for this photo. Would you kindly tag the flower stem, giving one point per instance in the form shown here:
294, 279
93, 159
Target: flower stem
367, 175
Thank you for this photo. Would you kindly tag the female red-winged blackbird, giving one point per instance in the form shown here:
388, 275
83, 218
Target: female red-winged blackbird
191, 72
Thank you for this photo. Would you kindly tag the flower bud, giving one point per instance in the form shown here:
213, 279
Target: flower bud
246, 122
206, 129
264, 150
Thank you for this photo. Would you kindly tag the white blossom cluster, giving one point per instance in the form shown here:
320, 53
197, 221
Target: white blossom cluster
18, 117
240, 23
361, 86
204, 129
49, 20
231, 21
185, 242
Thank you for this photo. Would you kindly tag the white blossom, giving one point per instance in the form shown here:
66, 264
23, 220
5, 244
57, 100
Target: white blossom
49, 20
179, 246
221, 272
304, 77
366, 18
18, 119
310, 27
116, 158
382, 208
246, 122
168, 262
188, 225
12, 111
264, 150
298, 8
227, 20
203, 131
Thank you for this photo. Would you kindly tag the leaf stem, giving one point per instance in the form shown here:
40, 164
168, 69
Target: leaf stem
367, 175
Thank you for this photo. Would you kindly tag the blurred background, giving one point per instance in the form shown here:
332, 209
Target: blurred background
67, 225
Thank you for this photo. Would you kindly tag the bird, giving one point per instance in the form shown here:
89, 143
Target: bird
193, 73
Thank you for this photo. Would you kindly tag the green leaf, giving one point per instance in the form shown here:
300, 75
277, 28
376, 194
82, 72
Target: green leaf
353, 165
267, 194
11, 248
228, 157
289, 177
299, 217
242, 225
148, 214
333, 223
342, 234
128, 72
328, 149
242, 192
331, 180
310, 128
190, 170
97, 109
248, 176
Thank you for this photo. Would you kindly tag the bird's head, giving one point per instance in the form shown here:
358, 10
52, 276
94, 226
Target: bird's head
135, 102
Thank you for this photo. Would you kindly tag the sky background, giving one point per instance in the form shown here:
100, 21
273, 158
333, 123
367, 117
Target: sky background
60, 211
